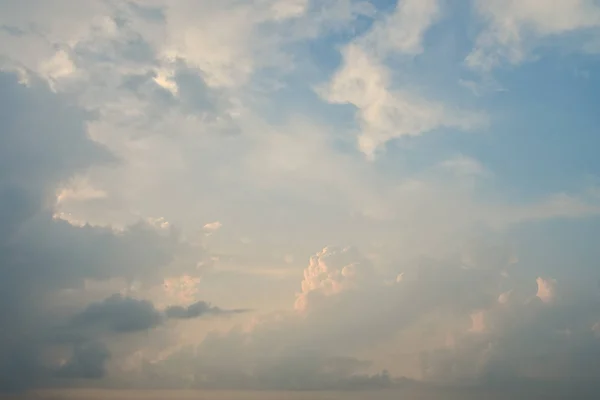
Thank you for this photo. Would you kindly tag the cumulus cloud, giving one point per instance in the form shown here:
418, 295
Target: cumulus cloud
349, 308
512, 334
332, 270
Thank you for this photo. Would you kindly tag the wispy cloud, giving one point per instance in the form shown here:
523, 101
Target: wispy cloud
515, 28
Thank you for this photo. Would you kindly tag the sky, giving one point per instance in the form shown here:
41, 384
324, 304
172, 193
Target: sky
299, 198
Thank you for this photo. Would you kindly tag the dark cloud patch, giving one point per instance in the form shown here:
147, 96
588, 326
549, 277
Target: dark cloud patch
119, 314
198, 309
44, 142
43, 138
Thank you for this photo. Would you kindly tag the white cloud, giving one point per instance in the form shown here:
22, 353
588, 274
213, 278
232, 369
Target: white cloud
79, 189
182, 290
213, 226
257, 34
296, 157
58, 66
546, 290
385, 114
384, 111
289, 9
403, 30
514, 27
331, 271
42, 35
202, 34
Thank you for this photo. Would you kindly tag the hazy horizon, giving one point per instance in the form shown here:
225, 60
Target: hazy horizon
382, 394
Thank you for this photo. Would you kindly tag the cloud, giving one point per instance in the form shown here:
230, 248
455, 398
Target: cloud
219, 143
119, 314
197, 309
515, 28
43, 144
385, 114
497, 335
332, 270
308, 348
404, 29
125, 120
546, 289
87, 362
31, 49
79, 189
214, 365
477, 322
213, 226
384, 111
229, 58
527, 337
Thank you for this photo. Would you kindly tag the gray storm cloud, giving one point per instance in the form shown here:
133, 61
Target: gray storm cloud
122, 314
43, 142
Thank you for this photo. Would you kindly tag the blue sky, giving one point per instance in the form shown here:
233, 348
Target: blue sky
298, 194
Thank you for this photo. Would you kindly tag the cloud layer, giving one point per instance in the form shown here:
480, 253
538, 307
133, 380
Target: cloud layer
158, 154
